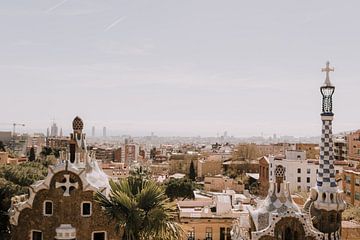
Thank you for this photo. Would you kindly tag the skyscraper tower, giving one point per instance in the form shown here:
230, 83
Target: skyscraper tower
104, 132
326, 203
93, 131
54, 130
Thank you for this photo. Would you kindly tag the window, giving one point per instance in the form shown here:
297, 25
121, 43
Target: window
208, 234
357, 196
99, 236
308, 188
357, 181
228, 233
48, 208
299, 188
222, 233
191, 235
299, 170
299, 179
308, 171
337, 171
308, 180
348, 179
86, 209
36, 235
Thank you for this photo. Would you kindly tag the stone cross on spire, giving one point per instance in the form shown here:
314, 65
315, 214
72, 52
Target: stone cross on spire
327, 69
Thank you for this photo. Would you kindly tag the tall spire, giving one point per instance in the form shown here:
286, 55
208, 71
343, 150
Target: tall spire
326, 171
325, 203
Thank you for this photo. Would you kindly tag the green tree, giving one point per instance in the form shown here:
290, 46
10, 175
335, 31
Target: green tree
141, 211
180, 188
192, 174
32, 156
14, 180
153, 153
246, 152
2, 147
46, 151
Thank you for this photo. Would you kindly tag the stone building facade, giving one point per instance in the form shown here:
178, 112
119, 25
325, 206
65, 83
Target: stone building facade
62, 205
351, 185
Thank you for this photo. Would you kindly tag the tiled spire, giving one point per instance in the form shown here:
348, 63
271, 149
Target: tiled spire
326, 171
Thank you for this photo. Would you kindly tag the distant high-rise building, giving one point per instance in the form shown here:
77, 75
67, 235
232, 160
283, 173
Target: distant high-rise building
104, 132
54, 130
47, 132
225, 134
61, 133
93, 131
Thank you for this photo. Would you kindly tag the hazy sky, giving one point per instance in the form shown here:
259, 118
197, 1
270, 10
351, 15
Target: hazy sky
181, 67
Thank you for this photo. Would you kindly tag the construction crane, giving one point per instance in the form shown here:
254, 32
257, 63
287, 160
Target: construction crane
12, 143
14, 126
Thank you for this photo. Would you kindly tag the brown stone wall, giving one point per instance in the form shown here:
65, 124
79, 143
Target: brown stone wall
66, 210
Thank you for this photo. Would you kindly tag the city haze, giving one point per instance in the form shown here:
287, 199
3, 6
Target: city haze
182, 68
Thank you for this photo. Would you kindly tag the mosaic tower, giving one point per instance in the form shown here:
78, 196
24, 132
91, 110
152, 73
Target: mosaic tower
326, 203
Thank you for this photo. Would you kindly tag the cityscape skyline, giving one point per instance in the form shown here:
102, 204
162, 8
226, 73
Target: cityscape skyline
125, 63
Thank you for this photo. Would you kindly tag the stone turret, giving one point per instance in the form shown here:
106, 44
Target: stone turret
77, 143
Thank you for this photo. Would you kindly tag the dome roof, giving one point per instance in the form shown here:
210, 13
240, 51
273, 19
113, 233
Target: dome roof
77, 123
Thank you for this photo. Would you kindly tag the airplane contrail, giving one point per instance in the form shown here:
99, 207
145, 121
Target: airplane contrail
56, 6
113, 24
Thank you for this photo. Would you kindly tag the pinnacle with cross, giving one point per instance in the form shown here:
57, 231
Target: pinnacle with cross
327, 69
67, 184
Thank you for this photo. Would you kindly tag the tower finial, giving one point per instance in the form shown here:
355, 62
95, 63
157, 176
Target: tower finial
327, 69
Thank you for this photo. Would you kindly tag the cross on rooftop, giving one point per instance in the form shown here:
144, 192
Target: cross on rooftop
327, 69
67, 184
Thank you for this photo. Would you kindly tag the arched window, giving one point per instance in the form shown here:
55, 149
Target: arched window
323, 196
288, 234
296, 236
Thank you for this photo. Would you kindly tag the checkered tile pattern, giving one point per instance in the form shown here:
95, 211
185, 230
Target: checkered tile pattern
326, 173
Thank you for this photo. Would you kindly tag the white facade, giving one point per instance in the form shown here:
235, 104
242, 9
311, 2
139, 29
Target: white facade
300, 172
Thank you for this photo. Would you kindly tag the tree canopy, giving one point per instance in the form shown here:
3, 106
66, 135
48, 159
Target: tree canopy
180, 188
142, 211
246, 151
32, 155
15, 180
192, 173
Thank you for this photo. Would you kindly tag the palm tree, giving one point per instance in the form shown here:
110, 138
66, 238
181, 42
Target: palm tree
141, 210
